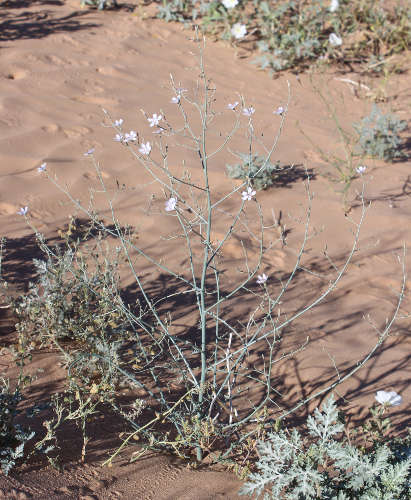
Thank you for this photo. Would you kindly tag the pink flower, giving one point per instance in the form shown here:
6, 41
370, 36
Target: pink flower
145, 148
171, 204
262, 278
279, 111
23, 210
154, 120
130, 137
248, 195
248, 111
232, 106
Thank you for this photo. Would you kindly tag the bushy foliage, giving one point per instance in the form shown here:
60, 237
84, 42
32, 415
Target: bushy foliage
100, 4
13, 437
378, 135
262, 174
61, 307
74, 306
294, 34
182, 10
291, 34
327, 466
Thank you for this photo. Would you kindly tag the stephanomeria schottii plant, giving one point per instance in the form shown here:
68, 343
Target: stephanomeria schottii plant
191, 388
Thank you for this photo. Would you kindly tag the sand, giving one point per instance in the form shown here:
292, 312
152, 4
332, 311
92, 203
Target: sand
59, 67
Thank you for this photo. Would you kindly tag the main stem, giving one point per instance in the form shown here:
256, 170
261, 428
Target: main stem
203, 155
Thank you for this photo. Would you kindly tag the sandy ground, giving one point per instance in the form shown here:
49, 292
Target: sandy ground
59, 66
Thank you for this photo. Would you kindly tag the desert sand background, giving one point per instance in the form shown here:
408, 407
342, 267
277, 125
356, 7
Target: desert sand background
59, 66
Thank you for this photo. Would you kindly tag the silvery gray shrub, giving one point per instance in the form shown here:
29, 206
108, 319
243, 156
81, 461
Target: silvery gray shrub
262, 174
378, 135
13, 437
325, 466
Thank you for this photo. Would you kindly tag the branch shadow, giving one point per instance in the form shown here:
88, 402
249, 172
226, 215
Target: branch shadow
289, 174
390, 362
288, 379
17, 267
38, 24
363, 384
390, 197
405, 149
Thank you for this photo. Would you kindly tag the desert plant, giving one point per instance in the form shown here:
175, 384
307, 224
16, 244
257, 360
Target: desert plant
324, 465
58, 311
215, 16
297, 34
100, 4
378, 135
342, 169
292, 34
190, 382
13, 437
250, 168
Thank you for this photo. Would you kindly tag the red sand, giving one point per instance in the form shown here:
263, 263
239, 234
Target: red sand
59, 66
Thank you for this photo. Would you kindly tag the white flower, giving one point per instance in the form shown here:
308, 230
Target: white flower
361, 169
131, 136
279, 111
145, 148
335, 40
262, 278
248, 195
176, 99
118, 122
119, 137
232, 106
248, 111
238, 30
391, 398
334, 5
229, 4
23, 210
42, 167
171, 204
89, 152
155, 119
